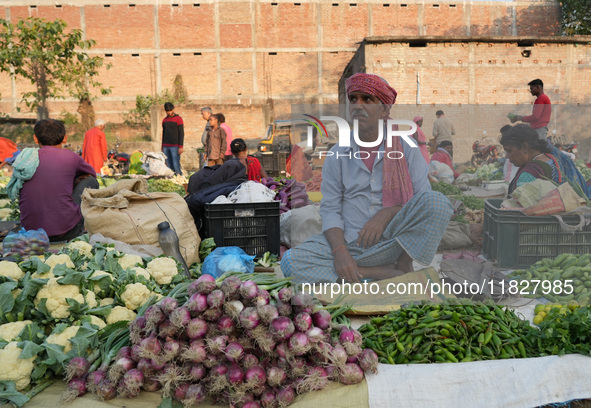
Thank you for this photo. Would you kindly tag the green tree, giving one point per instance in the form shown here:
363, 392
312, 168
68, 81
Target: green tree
576, 17
51, 58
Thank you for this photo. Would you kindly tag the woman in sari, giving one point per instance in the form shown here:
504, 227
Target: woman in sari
536, 159
254, 170
421, 138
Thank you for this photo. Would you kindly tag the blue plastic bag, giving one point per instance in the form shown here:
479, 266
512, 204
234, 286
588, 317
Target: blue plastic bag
227, 259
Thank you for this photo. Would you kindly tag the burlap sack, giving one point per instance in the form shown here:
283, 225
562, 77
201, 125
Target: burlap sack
126, 212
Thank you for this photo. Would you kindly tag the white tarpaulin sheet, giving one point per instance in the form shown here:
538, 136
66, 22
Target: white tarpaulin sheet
515, 383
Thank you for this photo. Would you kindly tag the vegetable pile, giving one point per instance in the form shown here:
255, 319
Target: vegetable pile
562, 279
21, 244
585, 171
489, 172
289, 192
448, 333
60, 306
564, 330
165, 186
236, 342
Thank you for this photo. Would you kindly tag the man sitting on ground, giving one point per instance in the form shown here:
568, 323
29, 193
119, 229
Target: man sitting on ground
378, 212
49, 182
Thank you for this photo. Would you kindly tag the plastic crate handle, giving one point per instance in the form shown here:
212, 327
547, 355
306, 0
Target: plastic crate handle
249, 212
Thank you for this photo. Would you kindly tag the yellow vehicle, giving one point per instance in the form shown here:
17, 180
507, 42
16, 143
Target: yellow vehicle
280, 137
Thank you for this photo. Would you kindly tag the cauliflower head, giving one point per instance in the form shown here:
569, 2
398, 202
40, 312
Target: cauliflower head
107, 301
11, 270
162, 270
135, 295
120, 313
14, 368
91, 299
56, 296
84, 248
57, 259
97, 288
129, 261
5, 202
63, 338
5, 213
141, 272
97, 321
9, 331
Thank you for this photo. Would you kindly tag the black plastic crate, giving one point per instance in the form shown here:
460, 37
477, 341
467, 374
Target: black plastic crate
516, 240
254, 227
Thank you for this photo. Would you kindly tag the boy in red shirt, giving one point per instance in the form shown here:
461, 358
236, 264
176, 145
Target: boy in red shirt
541, 112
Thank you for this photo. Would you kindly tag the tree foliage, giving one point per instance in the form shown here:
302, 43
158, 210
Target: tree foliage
51, 58
576, 17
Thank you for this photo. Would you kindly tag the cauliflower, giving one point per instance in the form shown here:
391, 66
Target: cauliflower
107, 301
162, 270
120, 313
14, 368
63, 338
83, 248
16, 292
9, 331
129, 261
11, 270
97, 321
141, 272
5, 213
54, 260
91, 299
56, 296
97, 288
135, 295
5, 202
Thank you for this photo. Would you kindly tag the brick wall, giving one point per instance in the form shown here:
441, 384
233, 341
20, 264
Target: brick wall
251, 52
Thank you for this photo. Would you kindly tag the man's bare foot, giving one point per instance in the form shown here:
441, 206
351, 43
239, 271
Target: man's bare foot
380, 272
404, 263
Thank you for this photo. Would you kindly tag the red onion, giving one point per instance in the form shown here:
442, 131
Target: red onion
234, 351
350, 341
76, 388
212, 314
157, 365
338, 355
281, 328
284, 309
276, 376
302, 302
233, 308
235, 375
351, 359
255, 375
285, 294
167, 329
332, 373
196, 328
210, 360
77, 368
230, 286
131, 383
135, 352
180, 392
145, 366
151, 384
248, 290
225, 324
168, 304
322, 319
316, 335
180, 317
204, 284
267, 313
215, 298
150, 347
268, 400
197, 372
285, 396
106, 390
299, 344
368, 360
195, 353
171, 349
195, 395
93, 379
316, 379
350, 374
216, 345
137, 329
249, 360
154, 316
252, 404
120, 367
196, 304
124, 351
281, 349
302, 321
249, 318
262, 298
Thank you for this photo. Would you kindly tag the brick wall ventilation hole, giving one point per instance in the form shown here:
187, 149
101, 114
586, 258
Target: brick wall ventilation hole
273, 4
335, 4
176, 54
452, 5
297, 4
196, 5
353, 5
272, 53
106, 5
58, 6
108, 55
175, 5
435, 5
386, 5
197, 54
132, 5
135, 55
33, 6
